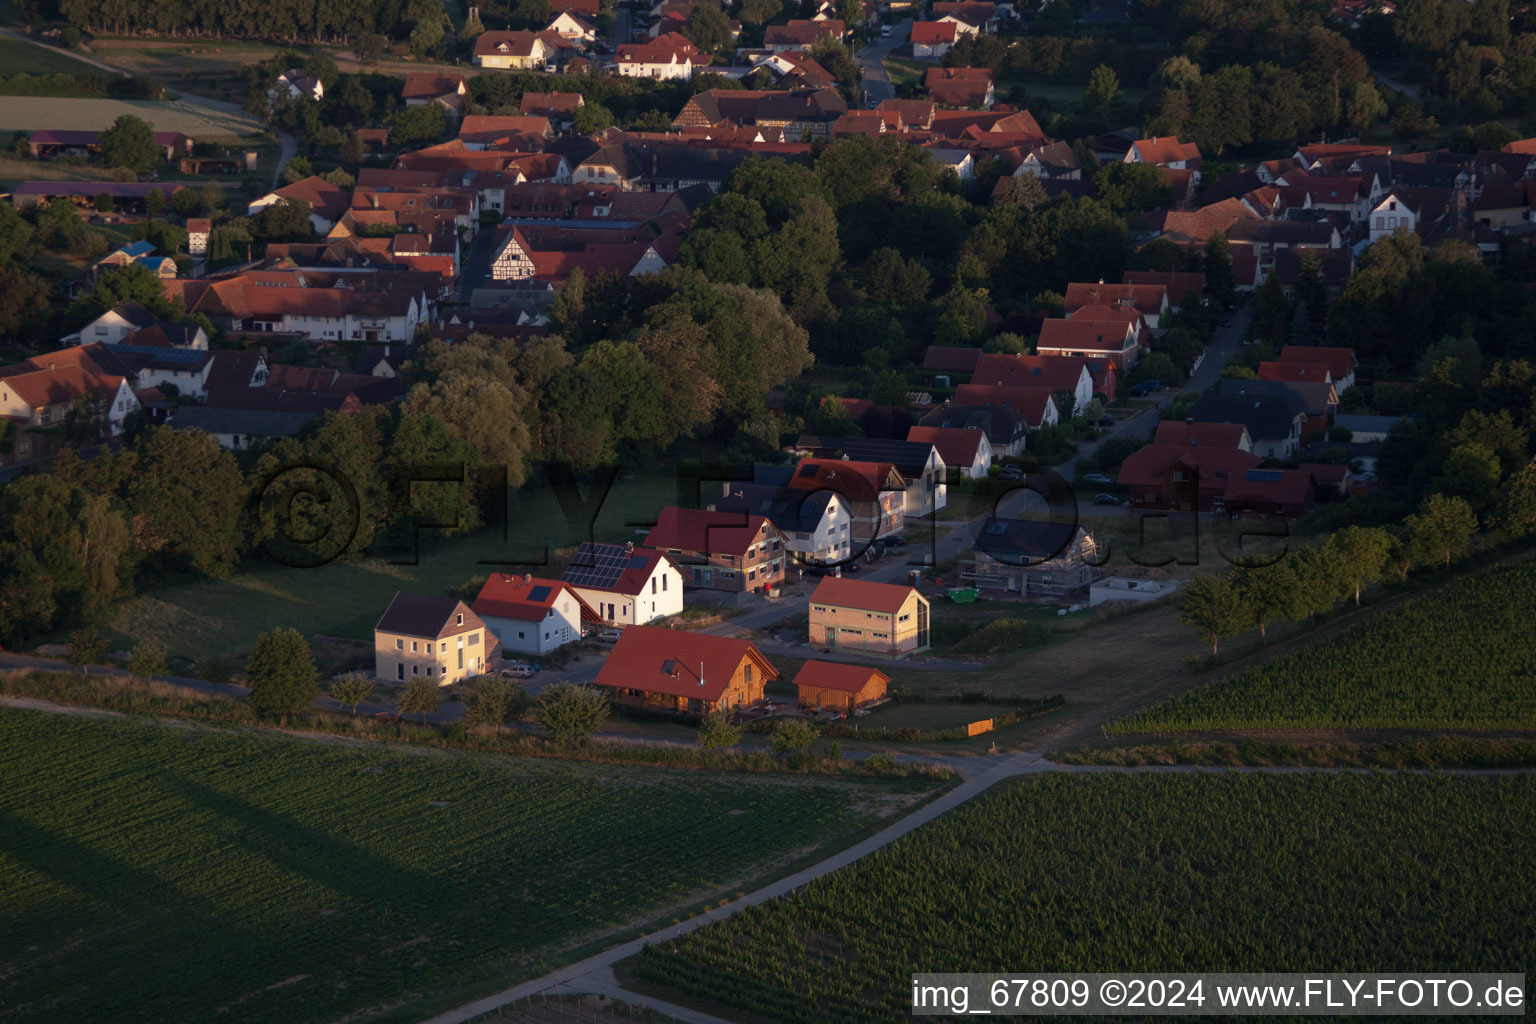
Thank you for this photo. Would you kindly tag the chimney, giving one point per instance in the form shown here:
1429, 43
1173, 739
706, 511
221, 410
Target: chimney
527, 577
629, 545
701, 673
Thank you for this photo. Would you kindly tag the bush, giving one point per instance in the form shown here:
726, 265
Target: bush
571, 713
793, 737
717, 731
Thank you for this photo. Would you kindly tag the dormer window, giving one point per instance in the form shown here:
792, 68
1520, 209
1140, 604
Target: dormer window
460, 619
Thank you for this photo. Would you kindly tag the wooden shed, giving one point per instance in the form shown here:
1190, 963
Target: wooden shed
837, 686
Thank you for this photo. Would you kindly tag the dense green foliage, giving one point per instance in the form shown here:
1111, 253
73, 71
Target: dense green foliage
1104, 873
286, 879
1460, 657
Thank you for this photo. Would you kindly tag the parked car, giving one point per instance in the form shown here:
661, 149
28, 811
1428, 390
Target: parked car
609, 636
1097, 478
885, 30
852, 566
1106, 499
518, 671
1107, 421
1138, 393
895, 540
1151, 385
1011, 473
1226, 323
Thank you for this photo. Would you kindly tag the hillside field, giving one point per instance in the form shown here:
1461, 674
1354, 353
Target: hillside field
1460, 657
19, 58
155, 872
32, 113
1144, 872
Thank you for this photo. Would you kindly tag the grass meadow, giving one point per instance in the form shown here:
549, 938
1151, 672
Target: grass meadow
19, 58
1140, 872
157, 871
223, 617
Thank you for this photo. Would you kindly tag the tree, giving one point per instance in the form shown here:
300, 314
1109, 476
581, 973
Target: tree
591, 118
1268, 594
717, 731
354, 688
1022, 190
103, 202
1103, 89
1213, 608
426, 35
495, 702
23, 299
1220, 280
287, 220
369, 48
130, 142
147, 659
413, 126
1441, 529
707, 28
86, 647
571, 713
420, 696
1515, 513
186, 495
1361, 553
281, 674
793, 738
131, 283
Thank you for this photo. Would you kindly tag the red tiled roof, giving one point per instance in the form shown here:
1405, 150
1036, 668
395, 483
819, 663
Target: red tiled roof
670, 661
546, 103
60, 385
426, 85
1149, 299
1312, 373
837, 675
1059, 373
929, 33
713, 533
667, 48
329, 201
957, 446
1028, 401
864, 595
1178, 286
507, 596
1166, 149
486, 128
1340, 361
1148, 466
801, 32
1083, 334
833, 474
518, 44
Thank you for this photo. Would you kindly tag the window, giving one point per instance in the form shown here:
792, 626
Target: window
904, 618
429, 670
663, 583
413, 646
443, 648
460, 621
416, 670
399, 645
653, 584
461, 657
474, 639
747, 673
546, 634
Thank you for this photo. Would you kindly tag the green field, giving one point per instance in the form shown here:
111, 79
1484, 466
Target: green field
203, 123
19, 58
1462, 657
1146, 873
223, 617
160, 873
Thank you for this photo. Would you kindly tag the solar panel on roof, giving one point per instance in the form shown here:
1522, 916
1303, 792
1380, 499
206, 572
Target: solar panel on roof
597, 565
637, 561
168, 355
1265, 475
539, 593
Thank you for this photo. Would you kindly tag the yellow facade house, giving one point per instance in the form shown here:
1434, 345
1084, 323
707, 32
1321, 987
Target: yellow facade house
436, 637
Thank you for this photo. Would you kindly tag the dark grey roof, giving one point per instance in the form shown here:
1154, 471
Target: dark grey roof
1268, 413
421, 615
786, 508
1025, 541
135, 314
909, 457
1282, 232
1351, 421
246, 422
1002, 425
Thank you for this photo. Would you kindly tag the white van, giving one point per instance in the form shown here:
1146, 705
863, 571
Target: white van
885, 30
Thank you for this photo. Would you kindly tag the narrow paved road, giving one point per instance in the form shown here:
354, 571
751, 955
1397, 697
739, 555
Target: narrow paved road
288, 148
877, 83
